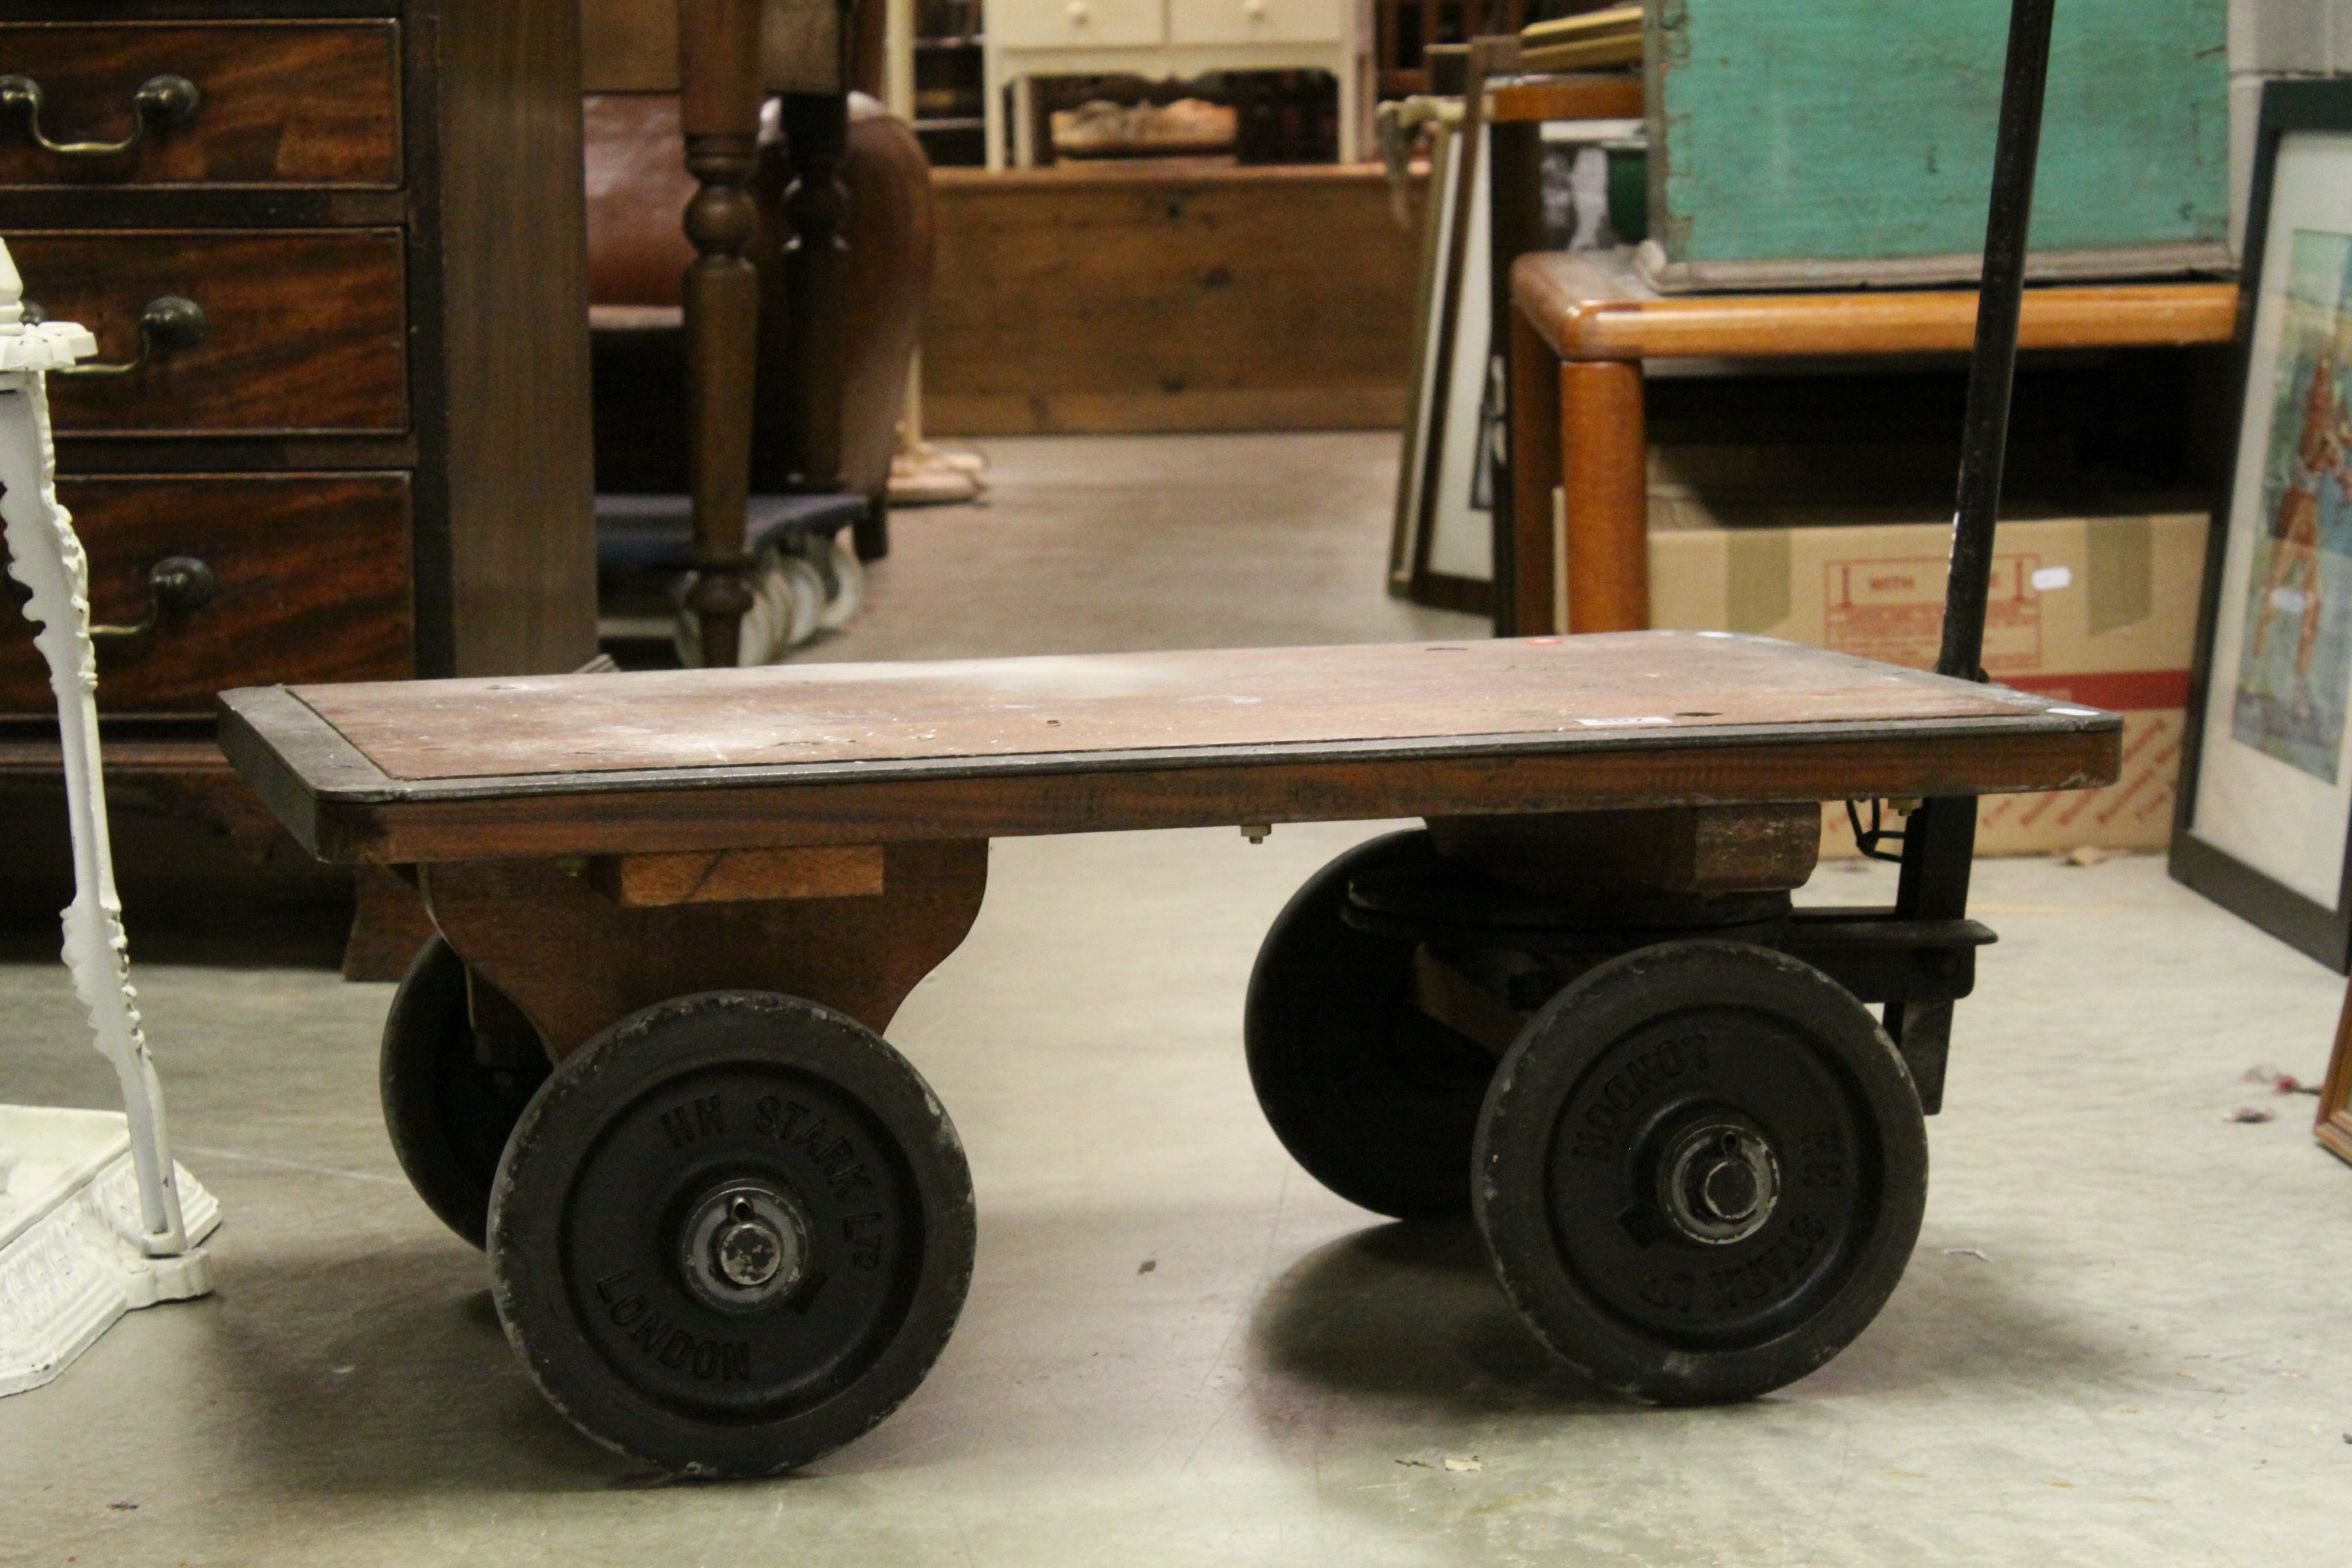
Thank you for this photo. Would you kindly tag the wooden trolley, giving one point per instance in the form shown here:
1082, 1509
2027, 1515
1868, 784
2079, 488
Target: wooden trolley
730, 1227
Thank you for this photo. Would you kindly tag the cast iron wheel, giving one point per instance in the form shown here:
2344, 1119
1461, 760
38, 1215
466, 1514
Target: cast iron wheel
1377, 1100
1700, 1171
731, 1233
450, 1098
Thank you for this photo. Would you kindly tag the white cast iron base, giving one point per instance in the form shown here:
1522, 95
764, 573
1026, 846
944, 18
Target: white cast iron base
71, 1260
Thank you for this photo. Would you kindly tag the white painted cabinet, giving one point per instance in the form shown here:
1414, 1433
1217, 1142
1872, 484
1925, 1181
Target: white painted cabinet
1257, 21
1075, 24
1026, 39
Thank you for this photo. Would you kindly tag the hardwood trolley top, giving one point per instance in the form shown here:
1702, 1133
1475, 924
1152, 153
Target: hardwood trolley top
415, 771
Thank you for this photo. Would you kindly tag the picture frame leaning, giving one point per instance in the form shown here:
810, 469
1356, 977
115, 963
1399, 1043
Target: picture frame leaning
2264, 820
2333, 1126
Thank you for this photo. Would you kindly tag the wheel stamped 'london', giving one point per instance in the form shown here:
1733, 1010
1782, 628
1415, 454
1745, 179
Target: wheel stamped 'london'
1701, 1171
1377, 1100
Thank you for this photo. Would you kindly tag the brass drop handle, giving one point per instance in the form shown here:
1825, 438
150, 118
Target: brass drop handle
175, 585
168, 323
161, 103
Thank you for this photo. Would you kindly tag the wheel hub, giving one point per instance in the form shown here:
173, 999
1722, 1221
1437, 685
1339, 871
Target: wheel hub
744, 1246
1719, 1182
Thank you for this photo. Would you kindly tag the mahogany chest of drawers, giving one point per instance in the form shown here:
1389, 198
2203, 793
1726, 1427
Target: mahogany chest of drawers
333, 255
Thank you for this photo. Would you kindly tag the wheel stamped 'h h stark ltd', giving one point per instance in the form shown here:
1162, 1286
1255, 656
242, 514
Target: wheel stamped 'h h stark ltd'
1700, 1171
732, 1233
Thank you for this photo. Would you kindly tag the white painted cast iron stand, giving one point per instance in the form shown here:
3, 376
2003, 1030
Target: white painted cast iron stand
95, 1219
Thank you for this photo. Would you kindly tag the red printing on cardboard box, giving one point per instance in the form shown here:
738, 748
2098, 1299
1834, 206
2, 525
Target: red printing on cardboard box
2122, 691
1894, 610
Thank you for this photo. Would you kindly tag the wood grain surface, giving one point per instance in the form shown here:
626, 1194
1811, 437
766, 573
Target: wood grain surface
2333, 1127
1523, 552
1608, 856
1213, 699
382, 446
574, 960
313, 572
630, 813
1593, 305
739, 876
867, 754
506, 575
306, 329
1142, 298
1576, 96
1603, 441
632, 46
283, 103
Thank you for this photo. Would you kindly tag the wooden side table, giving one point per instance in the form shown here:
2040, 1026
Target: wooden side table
1582, 325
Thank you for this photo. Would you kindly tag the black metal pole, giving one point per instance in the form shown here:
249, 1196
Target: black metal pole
1939, 839
1984, 430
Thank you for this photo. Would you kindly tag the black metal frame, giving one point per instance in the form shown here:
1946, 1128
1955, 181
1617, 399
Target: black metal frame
1917, 958
1918, 966
2323, 932
1939, 840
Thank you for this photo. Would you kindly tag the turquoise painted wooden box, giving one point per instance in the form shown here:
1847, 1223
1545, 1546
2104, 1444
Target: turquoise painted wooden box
1828, 142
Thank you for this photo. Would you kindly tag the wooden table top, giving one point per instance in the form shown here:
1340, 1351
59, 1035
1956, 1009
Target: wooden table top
1567, 95
1596, 305
422, 770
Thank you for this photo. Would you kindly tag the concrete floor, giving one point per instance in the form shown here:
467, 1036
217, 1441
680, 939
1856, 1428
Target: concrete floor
1083, 545
2126, 1336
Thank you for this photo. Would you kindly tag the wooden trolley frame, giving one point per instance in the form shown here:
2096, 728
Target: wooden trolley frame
731, 1228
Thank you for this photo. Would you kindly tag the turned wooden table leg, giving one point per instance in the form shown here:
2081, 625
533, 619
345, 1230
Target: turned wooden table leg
719, 54
1604, 462
1527, 596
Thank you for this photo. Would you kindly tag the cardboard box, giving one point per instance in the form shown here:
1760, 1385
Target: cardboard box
2101, 611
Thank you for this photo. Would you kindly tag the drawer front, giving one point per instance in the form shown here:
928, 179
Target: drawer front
313, 585
276, 103
1257, 21
1077, 24
303, 331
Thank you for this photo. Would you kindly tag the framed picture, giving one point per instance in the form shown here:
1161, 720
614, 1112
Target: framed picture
1433, 314
2334, 1129
1442, 546
2264, 825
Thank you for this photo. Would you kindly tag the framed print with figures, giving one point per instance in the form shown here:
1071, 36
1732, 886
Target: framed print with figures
2265, 817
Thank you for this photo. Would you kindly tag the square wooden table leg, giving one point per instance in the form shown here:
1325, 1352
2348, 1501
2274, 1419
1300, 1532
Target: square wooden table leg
1527, 594
1604, 466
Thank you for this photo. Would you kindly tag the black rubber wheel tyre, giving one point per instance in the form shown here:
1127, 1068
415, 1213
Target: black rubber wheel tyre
447, 1111
600, 1228
1378, 1101
1700, 1171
